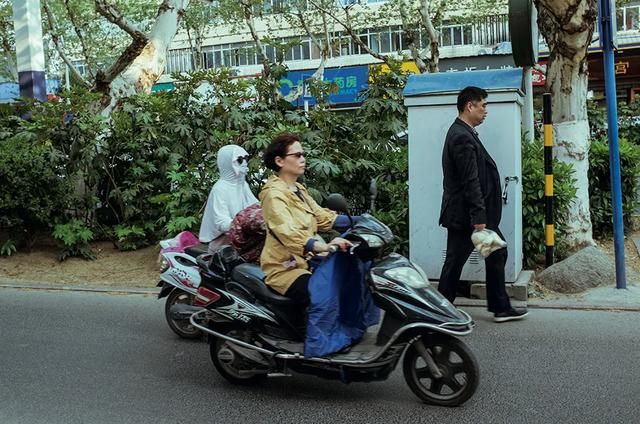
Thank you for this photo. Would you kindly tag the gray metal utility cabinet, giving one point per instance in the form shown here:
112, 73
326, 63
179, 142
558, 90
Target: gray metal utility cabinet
431, 100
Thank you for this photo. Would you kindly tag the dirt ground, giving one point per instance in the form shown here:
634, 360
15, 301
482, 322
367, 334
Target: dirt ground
112, 268
139, 268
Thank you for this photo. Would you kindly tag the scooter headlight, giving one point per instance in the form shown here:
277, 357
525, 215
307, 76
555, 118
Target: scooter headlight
408, 276
164, 264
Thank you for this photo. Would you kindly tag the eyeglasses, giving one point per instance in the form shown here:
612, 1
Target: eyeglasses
296, 154
241, 159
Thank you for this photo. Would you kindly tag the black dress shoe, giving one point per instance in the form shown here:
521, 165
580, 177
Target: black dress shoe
510, 315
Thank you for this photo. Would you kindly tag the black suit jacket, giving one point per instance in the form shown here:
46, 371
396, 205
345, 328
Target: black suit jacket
472, 191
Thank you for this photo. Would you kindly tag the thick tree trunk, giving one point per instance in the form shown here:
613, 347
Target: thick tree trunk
568, 28
144, 69
571, 130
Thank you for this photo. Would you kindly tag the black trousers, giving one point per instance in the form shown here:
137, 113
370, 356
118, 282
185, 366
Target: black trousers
299, 291
459, 247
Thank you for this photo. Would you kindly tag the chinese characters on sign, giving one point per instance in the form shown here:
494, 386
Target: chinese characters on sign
351, 81
621, 68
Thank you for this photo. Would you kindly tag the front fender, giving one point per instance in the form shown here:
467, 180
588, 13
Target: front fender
165, 290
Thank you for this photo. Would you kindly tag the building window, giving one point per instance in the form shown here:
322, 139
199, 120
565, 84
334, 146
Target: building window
455, 35
81, 67
491, 30
281, 6
487, 31
179, 61
374, 42
628, 18
396, 39
385, 41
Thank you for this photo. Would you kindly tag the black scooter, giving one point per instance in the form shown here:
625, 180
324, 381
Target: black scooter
255, 332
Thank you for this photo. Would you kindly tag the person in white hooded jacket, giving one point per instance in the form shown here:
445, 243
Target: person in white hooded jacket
228, 196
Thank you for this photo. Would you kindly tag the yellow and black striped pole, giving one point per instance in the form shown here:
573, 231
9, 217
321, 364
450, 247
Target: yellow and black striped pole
548, 178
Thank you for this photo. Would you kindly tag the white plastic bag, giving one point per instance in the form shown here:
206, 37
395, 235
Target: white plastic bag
487, 241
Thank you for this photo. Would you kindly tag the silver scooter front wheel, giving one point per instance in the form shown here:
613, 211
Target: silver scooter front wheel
232, 366
441, 370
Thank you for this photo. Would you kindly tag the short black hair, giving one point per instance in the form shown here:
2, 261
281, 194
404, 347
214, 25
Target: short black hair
278, 147
470, 94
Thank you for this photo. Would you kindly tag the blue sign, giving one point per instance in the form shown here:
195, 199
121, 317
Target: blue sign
350, 81
10, 91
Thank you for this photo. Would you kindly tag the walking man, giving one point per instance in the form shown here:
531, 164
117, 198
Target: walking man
472, 200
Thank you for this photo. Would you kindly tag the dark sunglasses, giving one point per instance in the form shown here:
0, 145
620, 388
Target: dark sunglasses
241, 159
296, 154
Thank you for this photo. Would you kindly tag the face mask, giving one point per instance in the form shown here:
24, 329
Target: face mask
241, 165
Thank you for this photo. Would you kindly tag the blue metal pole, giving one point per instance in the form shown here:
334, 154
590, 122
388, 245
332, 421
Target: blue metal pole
605, 10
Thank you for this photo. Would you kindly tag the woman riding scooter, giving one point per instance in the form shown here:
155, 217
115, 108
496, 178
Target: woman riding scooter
293, 219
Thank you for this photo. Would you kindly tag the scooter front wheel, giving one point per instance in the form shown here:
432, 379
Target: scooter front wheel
459, 373
182, 328
231, 366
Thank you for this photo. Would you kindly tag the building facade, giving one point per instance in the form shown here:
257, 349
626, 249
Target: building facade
482, 44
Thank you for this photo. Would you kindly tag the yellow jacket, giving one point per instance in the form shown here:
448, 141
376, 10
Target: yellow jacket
290, 224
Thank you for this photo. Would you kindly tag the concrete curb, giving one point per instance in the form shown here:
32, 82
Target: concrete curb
460, 301
27, 285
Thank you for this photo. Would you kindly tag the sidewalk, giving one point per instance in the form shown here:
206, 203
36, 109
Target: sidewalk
600, 298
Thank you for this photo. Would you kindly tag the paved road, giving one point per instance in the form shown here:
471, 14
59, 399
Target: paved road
69, 357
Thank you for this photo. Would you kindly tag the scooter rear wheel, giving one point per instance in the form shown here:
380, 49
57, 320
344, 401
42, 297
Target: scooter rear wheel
182, 328
457, 364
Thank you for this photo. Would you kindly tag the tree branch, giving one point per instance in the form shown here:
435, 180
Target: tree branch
305, 24
247, 8
434, 37
349, 29
411, 35
56, 41
114, 16
7, 48
76, 28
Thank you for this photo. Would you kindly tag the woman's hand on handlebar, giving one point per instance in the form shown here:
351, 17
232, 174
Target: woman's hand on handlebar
340, 244
334, 245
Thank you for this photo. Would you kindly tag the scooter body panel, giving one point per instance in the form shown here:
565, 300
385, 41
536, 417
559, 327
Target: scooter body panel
182, 272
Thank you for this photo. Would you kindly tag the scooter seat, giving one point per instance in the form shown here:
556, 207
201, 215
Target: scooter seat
251, 277
197, 249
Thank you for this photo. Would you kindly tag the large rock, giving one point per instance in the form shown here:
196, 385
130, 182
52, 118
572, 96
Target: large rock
588, 268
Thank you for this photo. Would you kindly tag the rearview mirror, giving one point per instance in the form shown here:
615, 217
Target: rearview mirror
337, 202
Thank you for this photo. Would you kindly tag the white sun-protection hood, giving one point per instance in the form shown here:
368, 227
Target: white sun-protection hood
228, 196
230, 169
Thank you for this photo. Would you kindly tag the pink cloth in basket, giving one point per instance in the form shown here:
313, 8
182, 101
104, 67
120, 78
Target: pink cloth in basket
179, 242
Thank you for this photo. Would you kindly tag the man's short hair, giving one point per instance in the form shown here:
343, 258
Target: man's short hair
470, 94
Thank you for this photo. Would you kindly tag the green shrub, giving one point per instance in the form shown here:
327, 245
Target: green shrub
628, 121
600, 184
629, 118
392, 202
75, 237
533, 202
184, 204
132, 237
34, 193
8, 248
